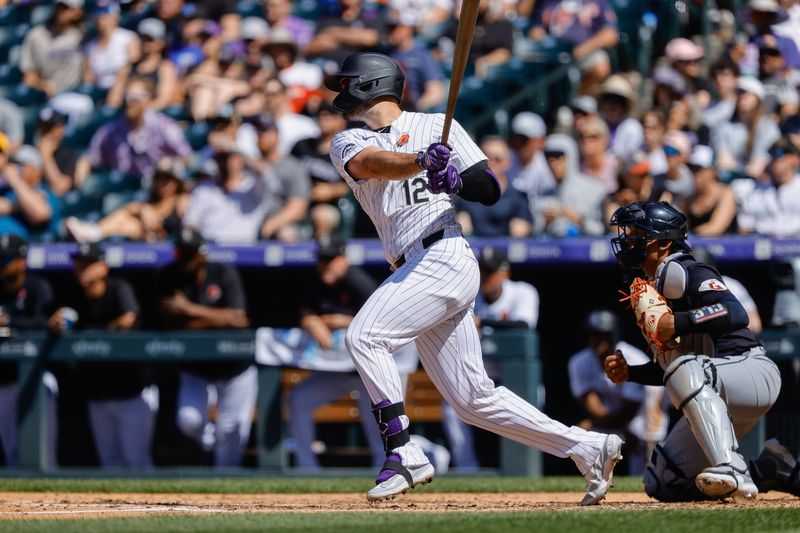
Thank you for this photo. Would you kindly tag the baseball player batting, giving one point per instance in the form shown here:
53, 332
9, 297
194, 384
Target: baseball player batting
405, 181
714, 369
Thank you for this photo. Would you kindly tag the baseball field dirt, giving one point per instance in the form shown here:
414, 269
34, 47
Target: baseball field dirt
15, 505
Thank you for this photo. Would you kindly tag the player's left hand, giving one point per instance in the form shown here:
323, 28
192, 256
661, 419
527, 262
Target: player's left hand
447, 180
435, 157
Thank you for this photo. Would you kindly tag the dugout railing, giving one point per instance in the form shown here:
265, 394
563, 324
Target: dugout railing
515, 351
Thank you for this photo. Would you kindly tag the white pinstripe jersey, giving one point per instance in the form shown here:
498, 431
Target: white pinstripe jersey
403, 211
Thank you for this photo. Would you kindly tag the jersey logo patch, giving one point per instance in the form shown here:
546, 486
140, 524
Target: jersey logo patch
213, 293
708, 312
403, 140
712, 285
347, 150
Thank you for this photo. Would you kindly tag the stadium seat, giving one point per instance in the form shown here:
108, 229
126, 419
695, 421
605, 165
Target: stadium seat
197, 135
79, 136
11, 15
249, 8
30, 116
11, 36
41, 14
178, 113
10, 75
25, 96
102, 182
78, 204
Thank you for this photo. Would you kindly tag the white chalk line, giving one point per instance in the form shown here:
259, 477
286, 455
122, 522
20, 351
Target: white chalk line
126, 510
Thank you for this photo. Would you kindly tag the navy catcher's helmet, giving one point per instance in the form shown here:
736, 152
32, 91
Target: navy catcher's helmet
605, 323
657, 220
363, 77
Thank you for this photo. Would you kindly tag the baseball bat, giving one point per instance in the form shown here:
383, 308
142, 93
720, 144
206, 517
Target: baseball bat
466, 27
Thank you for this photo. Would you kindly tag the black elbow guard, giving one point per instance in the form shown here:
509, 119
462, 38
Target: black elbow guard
479, 184
719, 318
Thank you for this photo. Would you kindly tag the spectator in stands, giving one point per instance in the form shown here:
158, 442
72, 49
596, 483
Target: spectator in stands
684, 56
597, 161
583, 108
432, 16
223, 11
229, 205
668, 87
711, 210
653, 126
51, 58
574, 206
492, 41
678, 178
723, 104
112, 51
292, 127
328, 306
121, 398
741, 143
158, 218
616, 408
529, 172
587, 26
214, 83
12, 123
424, 87
501, 304
637, 184
353, 30
153, 65
780, 79
510, 216
303, 80
279, 16
25, 303
228, 133
134, 143
327, 186
289, 186
27, 206
63, 167
198, 294
616, 102
772, 207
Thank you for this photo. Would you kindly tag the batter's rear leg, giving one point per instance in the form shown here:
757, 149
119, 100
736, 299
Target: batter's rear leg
451, 354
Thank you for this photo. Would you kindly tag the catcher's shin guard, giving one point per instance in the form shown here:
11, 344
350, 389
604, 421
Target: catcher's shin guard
691, 393
388, 416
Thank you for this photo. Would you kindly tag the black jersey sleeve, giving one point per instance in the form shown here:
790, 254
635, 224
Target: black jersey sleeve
647, 374
715, 310
479, 184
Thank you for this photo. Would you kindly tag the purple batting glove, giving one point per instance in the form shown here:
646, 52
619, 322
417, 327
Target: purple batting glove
447, 180
435, 157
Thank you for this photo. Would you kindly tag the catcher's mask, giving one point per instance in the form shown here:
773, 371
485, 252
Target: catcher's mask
363, 77
657, 221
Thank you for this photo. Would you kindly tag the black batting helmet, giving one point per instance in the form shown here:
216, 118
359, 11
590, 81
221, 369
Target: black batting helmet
657, 220
605, 323
363, 77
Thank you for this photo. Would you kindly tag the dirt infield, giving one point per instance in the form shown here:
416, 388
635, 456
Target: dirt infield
94, 505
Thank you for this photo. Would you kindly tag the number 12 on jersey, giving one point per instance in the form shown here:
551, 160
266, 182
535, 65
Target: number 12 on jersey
415, 191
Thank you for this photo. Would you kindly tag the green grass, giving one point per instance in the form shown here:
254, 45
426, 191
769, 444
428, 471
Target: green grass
591, 520
299, 485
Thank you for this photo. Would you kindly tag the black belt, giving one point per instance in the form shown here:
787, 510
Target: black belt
426, 243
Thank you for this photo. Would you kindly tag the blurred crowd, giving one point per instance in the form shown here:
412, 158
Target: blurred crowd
130, 119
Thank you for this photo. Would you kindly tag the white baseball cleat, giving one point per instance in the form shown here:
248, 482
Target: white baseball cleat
399, 484
598, 478
724, 481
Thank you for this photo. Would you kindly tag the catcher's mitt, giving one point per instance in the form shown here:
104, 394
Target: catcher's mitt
649, 307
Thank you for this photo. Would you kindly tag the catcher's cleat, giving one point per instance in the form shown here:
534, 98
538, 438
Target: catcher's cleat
725, 481
395, 478
776, 469
598, 478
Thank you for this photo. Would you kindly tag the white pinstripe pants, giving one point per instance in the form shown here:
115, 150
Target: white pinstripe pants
430, 299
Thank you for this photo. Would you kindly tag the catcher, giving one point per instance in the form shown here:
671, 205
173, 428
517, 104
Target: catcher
714, 369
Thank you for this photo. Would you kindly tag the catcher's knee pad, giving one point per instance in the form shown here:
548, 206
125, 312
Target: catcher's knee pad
666, 482
691, 392
390, 423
